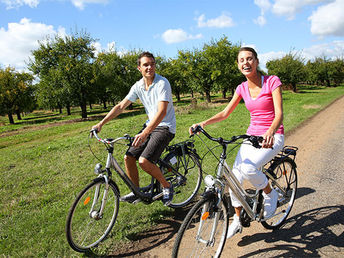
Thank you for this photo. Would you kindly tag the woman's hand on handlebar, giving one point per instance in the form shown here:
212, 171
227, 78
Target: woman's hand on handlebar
268, 141
193, 127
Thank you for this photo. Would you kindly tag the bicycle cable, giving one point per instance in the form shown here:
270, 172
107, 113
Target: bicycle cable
89, 145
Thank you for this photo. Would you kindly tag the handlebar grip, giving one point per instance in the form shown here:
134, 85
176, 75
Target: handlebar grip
197, 129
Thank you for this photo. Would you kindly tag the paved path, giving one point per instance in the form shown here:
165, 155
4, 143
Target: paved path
316, 224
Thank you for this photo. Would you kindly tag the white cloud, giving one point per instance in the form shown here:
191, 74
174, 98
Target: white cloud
328, 19
109, 47
80, 4
264, 58
18, 3
332, 50
261, 21
178, 35
289, 8
264, 6
222, 21
17, 42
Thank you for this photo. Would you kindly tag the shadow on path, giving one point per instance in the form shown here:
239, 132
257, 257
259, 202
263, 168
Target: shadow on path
304, 235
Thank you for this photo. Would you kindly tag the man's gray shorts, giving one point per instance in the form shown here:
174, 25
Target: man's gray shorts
154, 145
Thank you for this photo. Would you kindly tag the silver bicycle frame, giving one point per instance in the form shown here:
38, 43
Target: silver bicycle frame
237, 189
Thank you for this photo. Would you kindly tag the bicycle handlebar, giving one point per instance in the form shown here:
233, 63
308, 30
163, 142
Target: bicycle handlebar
94, 132
255, 140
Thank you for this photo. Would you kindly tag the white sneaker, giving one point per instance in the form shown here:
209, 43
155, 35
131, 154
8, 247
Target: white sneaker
270, 203
234, 227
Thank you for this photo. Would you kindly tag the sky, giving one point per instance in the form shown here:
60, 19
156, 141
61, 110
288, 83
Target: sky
310, 28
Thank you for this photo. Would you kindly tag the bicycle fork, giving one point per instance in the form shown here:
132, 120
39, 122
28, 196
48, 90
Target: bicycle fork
204, 217
94, 214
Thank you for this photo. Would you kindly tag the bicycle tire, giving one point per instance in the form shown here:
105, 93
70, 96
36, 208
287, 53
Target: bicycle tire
193, 238
284, 172
84, 232
185, 191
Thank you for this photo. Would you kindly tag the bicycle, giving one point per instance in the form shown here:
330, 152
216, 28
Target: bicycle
204, 229
95, 209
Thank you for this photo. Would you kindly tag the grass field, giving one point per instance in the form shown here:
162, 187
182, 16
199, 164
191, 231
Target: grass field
45, 161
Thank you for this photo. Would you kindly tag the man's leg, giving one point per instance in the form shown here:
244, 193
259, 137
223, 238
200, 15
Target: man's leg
153, 170
131, 168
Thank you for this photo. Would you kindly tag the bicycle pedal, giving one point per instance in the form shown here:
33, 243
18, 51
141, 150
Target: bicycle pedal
136, 201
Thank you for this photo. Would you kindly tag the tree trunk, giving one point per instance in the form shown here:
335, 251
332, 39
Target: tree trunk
10, 117
177, 93
104, 104
68, 109
294, 87
224, 93
18, 115
60, 108
83, 110
207, 95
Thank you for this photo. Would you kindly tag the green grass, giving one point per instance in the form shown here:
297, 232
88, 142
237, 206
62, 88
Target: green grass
43, 167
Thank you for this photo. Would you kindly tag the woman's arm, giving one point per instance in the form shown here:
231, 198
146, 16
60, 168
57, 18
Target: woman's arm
221, 115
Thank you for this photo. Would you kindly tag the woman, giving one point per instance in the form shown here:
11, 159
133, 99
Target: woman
263, 99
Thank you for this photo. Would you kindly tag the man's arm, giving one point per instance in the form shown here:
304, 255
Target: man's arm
162, 110
114, 112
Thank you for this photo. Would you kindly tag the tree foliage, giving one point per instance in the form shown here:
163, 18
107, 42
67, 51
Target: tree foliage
290, 69
16, 93
68, 73
65, 66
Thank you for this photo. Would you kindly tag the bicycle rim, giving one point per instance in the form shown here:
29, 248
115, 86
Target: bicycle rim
185, 188
194, 237
85, 229
286, 185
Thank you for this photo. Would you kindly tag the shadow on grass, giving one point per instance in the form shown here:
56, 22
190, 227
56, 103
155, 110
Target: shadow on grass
145, 241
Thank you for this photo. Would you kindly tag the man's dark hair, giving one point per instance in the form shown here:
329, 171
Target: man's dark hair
144, 54
249, 49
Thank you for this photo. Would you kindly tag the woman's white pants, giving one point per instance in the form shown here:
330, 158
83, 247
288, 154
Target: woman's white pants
250, 160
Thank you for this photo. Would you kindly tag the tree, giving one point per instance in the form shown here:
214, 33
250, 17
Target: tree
66, 64
109, 71
198, 71
337, 71
16, 93
172, 69
290, 69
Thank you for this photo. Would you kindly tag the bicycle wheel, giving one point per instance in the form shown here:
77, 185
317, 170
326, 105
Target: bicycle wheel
285, 183
85, 227
203, 231
185, 188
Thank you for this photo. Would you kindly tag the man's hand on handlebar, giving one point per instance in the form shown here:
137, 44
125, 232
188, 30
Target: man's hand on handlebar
97, 127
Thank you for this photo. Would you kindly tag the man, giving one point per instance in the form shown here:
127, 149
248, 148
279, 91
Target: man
155, 93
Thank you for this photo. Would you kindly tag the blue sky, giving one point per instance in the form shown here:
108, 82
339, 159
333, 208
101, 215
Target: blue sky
312, 28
